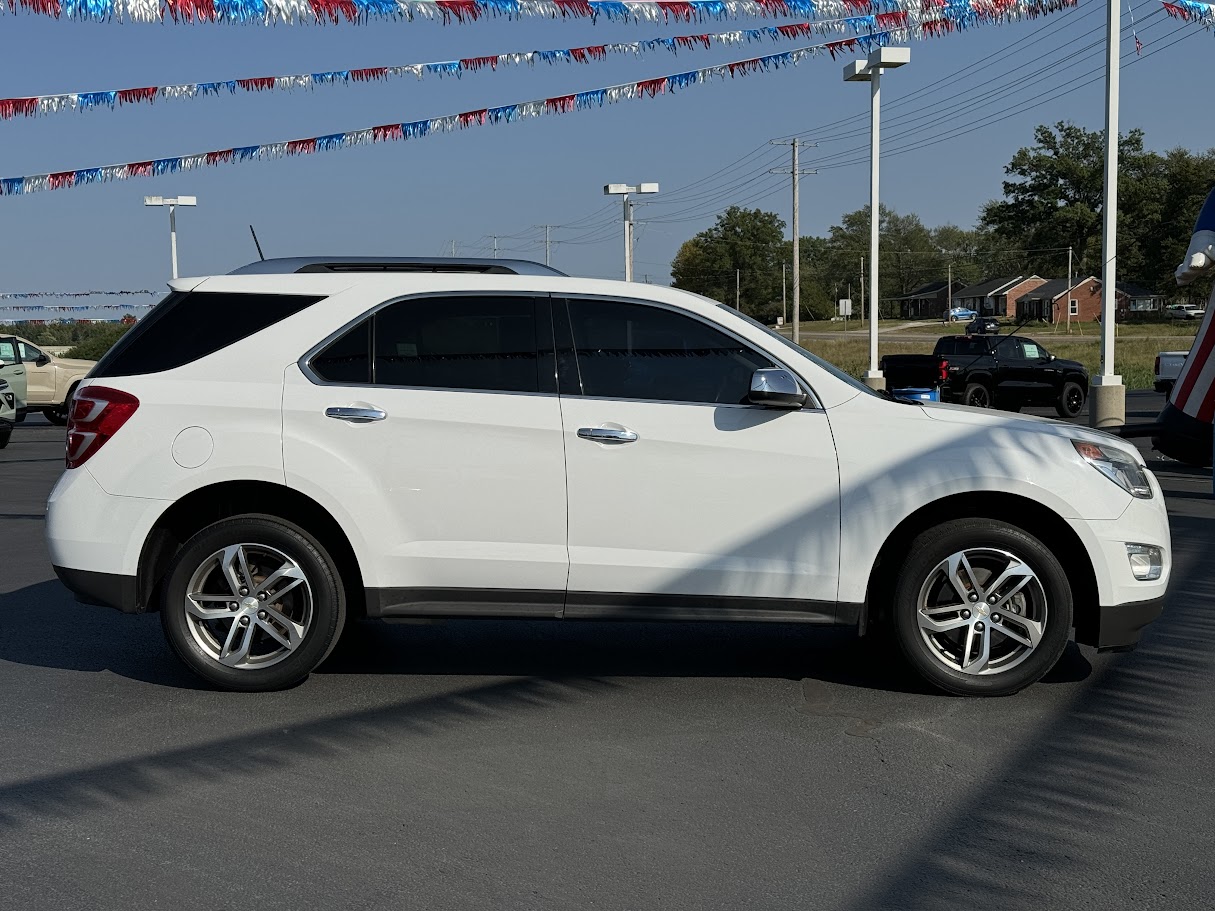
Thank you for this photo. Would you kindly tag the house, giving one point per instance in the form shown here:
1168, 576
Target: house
1134, 300
1050, 302
927, 302
992, 297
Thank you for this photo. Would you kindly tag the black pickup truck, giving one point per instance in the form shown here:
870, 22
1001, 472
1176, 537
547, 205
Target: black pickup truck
1002, 371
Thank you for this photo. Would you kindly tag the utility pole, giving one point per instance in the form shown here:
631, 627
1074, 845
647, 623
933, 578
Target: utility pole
1069, 290
548, 245
784, 301
863, 310
495, 237
797, 249
737, 288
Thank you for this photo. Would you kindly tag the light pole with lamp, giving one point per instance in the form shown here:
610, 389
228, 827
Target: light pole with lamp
172, 202
623, 189
870, 70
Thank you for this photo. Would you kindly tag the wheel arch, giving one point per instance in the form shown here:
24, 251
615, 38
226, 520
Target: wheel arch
215, 502
1042, 522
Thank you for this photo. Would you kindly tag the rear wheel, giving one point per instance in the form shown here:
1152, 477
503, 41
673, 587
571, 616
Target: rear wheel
981, 608
976, 396
253, 603
6, 432
1071, 400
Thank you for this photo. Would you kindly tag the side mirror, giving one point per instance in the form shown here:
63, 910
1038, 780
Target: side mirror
3, 362
775, 387
41, 361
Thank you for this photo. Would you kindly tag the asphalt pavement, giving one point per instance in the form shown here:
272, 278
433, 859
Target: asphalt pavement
534, 765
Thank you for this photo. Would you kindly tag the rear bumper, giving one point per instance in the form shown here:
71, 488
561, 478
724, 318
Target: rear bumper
101, 589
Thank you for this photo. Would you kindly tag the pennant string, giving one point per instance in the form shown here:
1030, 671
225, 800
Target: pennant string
37, 105
276, 12
564, 104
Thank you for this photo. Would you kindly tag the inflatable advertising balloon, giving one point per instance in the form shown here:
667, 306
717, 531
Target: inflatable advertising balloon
1185, 424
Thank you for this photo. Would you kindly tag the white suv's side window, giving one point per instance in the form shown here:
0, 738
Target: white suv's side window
471, 342
634, 351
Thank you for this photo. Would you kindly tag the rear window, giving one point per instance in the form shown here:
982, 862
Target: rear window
186, 326
964, 345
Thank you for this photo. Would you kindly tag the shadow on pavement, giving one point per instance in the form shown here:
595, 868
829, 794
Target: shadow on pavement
1050, 810
273, 752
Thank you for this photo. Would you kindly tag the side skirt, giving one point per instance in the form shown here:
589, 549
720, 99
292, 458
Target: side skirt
627, 606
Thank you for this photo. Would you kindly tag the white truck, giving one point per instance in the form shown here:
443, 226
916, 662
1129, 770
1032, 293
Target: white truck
49, 380
1168, 366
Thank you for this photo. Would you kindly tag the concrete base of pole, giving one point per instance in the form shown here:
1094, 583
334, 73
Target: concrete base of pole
874, 379
1106, 402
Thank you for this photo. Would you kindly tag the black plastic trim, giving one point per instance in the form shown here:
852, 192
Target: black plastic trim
1120, 626
101, 589
524, 603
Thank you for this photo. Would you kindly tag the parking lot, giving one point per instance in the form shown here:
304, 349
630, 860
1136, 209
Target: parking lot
574, 765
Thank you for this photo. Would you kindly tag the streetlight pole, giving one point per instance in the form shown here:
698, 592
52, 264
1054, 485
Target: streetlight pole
172, 202
623, 189
870, 70
1107, 407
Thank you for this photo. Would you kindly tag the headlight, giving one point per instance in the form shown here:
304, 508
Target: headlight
1117, 466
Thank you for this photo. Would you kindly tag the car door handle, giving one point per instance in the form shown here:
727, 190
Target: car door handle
606, 435
356, 415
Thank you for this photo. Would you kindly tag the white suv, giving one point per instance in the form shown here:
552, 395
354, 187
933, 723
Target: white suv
273, 453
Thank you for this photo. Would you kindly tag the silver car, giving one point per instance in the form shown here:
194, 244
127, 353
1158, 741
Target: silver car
8, 412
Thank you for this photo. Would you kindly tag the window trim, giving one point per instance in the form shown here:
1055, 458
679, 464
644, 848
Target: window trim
305, 361
813, 403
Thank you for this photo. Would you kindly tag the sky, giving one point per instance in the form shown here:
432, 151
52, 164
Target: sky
952, 120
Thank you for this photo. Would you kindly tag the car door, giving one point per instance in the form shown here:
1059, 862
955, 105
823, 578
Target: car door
684, 500
1014, 375
1043, 381
434, 425
40, 374
12, 370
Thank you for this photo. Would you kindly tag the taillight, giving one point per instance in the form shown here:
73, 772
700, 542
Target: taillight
944, 370
96, 414
1158, 365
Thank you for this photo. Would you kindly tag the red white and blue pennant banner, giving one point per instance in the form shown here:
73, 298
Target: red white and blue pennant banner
272, 12
1191, 11
916, 23
34, 295
397, 132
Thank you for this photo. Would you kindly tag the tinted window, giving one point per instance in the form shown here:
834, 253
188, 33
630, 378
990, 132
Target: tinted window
964, 345
347, 359
186, 326
1010, 348
458, 343
633, 351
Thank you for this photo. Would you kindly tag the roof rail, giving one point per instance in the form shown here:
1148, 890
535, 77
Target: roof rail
294, 264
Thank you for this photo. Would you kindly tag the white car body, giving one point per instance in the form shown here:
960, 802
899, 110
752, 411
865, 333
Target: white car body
1168, 368
716, 512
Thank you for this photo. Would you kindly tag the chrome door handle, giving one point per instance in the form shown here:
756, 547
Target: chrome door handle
356, 415
606, 435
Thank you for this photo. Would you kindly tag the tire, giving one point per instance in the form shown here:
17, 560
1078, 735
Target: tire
946, 647
1071, 400
56, 415
976, 396
280, 642
6, 432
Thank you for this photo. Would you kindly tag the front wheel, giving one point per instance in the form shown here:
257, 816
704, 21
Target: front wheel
253, 603
1071, 400
981, 608
6, 432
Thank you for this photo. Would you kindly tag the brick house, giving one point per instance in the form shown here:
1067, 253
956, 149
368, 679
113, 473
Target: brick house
993, 297
1134, 300
1051, 302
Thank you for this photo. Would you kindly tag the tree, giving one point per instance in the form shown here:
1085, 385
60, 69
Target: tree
746, 245
1055, 199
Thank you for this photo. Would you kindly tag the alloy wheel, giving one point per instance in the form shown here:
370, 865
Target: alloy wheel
979, 399
248, 606
982, 611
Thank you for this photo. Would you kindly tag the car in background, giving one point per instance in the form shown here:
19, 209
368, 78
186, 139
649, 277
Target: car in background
1185, 311
1168, 368
958, 313
8, 412
12, 371
983, 326
50, 379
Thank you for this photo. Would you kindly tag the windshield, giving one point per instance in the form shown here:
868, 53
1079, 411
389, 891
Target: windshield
830, 368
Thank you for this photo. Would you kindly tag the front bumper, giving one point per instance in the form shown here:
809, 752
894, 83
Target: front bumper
1120, 626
